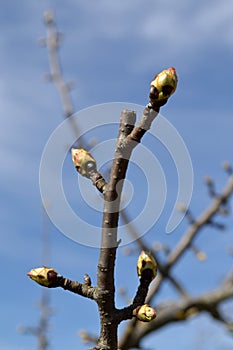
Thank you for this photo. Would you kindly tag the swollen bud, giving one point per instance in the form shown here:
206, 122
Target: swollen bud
163, 86
146, 262
83, 161
145, 313
45, 276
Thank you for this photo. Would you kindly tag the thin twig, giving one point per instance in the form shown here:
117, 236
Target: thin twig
179, 311
185, 242
52, 43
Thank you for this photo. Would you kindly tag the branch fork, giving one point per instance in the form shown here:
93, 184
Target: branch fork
129, 136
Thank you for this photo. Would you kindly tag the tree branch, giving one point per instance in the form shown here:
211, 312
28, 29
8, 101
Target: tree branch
52, 42
178, 311
204, 219
48, 277
109, 243
194, 229
129, 136
178, 251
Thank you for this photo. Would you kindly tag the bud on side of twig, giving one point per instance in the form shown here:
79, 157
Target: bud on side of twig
145, 313
146, 262
87, 280
83, 161
163, 86
45, 276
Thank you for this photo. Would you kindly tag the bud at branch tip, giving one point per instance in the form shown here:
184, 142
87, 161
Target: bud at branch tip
163, 86
45, 276
146, 262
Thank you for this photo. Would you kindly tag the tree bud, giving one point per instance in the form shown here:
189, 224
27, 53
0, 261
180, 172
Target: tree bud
146, 262
145, 313
163, 86
45, 276
83, 161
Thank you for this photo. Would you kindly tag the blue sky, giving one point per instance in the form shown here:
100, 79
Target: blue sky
111, 50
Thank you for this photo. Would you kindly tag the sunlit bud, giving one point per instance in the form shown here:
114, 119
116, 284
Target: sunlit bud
163, 86
83, 161
145, 313
146, 262
44, 276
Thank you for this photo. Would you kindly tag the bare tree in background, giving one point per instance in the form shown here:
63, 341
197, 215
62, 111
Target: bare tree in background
140, 311
41, 330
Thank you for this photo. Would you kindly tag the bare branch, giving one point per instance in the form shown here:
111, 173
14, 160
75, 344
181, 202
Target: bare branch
193, 230
82, 289
203, 220
52, 43
109, 243
179, 311
185, 242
